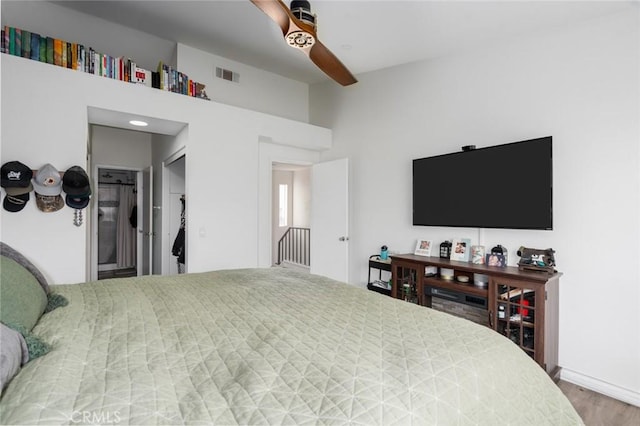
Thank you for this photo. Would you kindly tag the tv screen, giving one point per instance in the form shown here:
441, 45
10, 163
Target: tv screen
502, 186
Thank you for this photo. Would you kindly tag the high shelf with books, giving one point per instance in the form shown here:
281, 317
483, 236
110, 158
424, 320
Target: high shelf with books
75, 56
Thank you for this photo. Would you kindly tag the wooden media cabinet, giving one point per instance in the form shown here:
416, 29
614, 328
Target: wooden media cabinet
521, 305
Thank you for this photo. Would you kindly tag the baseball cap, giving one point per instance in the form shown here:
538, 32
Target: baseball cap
76, 182
77, 201
18, 190
15, 174
49, 203
47, 181
15, 203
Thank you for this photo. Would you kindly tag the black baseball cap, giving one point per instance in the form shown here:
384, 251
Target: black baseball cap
15, 203
76, 182
77, 202
15, 174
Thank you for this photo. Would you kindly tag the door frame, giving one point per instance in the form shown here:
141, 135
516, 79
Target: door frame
95, 172
270, 153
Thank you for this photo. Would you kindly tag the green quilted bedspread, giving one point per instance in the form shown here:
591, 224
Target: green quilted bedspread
270, 346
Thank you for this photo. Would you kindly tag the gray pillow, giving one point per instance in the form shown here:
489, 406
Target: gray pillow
13, 354
8, 251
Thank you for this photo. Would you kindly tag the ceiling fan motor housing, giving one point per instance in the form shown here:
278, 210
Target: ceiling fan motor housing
302, 10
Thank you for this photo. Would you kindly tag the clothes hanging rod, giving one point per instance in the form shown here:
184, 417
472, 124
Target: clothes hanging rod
116, 183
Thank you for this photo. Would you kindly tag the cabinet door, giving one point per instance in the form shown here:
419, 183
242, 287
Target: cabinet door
407, 281
517, 312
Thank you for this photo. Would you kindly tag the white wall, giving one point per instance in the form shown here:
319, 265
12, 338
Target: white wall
258, 90
302, 197
223, 146
578, 84
120, 147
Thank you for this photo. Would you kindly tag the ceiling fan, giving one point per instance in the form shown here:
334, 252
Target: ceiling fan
298, 26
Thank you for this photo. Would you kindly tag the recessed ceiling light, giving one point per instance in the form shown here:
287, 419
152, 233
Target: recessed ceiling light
138, 123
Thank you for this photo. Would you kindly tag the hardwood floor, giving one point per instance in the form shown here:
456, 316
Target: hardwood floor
600, 410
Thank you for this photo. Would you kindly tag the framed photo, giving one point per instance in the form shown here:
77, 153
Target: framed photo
496, 259
461, 249
423, 248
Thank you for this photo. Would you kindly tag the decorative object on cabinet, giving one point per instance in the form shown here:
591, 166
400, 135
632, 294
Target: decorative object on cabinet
495, 259
445, 249
423, 247
500, 250
460, 249
477, 255
536, 260
384, 253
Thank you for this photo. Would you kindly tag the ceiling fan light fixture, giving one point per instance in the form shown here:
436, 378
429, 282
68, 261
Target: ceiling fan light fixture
302, 10
300, 39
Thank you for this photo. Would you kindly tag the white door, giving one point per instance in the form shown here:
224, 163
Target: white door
330, 219
145, 218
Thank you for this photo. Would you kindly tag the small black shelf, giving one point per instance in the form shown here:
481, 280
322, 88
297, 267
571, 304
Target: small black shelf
381, 265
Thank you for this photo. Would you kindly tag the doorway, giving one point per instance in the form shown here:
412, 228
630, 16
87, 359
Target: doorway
117, 223
174, 215
290, 215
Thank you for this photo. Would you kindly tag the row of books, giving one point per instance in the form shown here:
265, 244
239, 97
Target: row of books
30, 45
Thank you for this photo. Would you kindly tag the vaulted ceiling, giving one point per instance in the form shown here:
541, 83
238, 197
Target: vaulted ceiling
365, 35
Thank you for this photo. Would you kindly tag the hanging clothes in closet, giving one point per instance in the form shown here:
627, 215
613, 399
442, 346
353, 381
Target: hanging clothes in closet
178, 248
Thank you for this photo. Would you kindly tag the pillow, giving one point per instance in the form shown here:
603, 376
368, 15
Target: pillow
22, 299
36, 347
8, 251
13, 354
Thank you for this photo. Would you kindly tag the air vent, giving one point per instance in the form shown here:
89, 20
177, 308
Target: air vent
227, 75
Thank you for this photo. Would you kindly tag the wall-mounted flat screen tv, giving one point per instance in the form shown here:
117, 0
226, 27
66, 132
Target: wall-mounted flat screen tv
503, 186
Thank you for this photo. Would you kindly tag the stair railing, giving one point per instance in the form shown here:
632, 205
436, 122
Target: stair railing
294, 246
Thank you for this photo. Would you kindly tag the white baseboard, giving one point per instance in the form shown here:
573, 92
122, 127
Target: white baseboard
621, 394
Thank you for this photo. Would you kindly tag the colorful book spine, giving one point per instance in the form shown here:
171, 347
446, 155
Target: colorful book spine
26, 44
18, 45
50, 50
35, 47
74, 56
69, 55
42, 56
64, 54
12, 41
57, 52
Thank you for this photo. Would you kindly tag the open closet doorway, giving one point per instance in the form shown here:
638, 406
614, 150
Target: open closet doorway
117, 222
174, 221
290, 216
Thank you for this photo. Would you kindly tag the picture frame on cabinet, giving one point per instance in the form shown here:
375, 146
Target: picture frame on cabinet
461, 249
423, 247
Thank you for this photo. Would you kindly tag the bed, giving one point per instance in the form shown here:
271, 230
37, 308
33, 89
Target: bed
270, 346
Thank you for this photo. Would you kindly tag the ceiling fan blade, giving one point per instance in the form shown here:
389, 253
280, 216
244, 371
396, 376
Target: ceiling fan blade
302, 35
330, 64
277, 11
